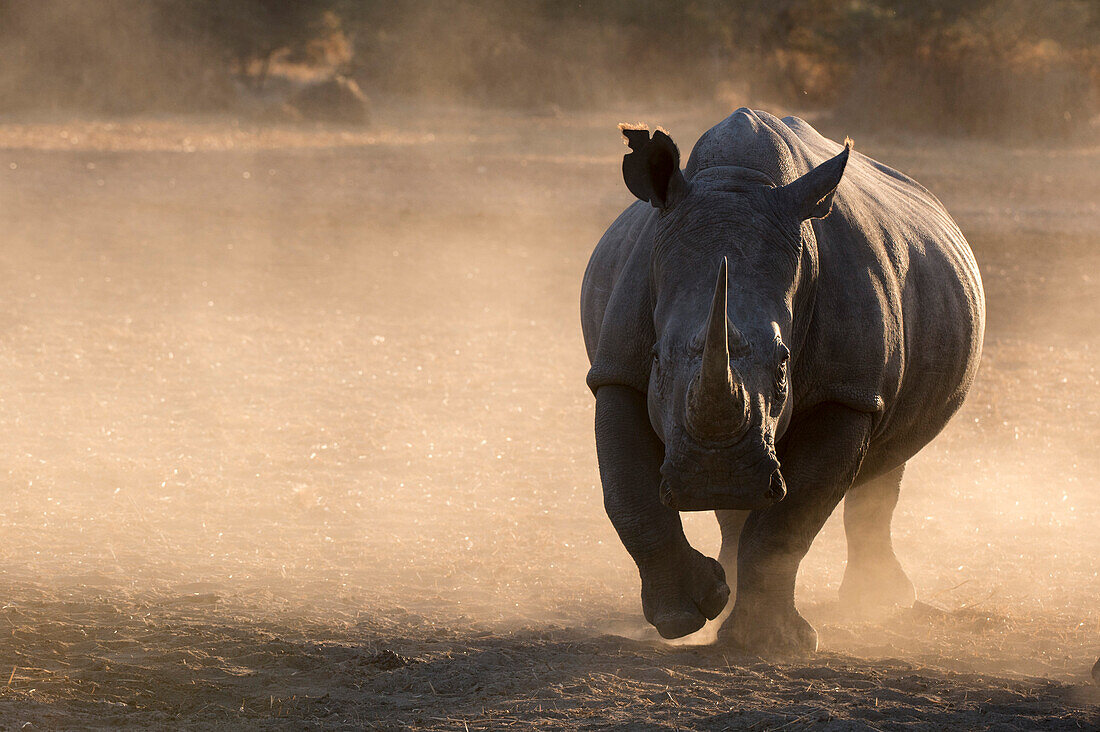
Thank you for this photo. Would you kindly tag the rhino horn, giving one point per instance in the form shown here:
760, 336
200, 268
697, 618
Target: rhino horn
716, 351
716, 404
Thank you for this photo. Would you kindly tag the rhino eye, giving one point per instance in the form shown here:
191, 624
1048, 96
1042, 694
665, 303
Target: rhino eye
656, 362
781, 378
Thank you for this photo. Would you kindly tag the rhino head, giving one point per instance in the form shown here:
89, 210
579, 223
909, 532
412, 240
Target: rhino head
728, 257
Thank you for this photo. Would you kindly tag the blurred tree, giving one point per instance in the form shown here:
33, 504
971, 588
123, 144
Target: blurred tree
967, 66
249, 32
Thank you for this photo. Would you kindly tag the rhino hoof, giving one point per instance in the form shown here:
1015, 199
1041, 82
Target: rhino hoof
678, 624
694, 590
870, 587
769, 632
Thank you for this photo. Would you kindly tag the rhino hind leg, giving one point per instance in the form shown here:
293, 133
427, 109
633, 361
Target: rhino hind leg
731, 523
873, 578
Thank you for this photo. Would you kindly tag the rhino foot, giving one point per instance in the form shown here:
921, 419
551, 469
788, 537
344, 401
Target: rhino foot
876, 584
769, 631
681, 591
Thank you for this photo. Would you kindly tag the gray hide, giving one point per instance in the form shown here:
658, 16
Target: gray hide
853, 320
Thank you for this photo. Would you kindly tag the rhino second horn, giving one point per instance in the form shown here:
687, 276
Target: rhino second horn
716, 402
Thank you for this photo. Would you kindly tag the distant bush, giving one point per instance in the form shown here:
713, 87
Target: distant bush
980, 67
337, 99
126, 56
1003, 68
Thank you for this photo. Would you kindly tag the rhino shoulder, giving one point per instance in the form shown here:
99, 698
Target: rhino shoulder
617, 303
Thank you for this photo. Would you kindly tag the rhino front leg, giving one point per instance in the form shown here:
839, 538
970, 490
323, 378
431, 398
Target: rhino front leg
681, 588
873, 577
821, 454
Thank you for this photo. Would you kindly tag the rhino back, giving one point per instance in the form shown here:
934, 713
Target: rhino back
899, 312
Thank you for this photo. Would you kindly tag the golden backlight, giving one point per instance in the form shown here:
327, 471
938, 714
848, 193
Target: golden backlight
295, 428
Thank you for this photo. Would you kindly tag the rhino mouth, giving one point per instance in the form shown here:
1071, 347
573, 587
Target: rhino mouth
740, 493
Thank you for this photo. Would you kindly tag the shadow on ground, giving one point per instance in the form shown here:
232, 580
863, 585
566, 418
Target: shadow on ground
203, 661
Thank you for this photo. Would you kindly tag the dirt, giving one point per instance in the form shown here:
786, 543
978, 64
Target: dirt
297, 436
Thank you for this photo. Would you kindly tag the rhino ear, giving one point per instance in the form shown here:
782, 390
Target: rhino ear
652, 168
812, 194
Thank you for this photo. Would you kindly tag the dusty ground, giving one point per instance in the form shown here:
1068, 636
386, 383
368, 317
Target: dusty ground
297, 436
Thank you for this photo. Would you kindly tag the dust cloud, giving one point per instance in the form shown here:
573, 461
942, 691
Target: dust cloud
297, 429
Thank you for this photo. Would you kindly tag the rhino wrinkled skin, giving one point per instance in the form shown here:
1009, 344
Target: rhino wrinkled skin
781, 325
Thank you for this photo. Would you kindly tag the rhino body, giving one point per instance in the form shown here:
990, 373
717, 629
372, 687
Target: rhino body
873, 299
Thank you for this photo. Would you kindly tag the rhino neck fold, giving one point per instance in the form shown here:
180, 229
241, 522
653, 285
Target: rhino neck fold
733, 178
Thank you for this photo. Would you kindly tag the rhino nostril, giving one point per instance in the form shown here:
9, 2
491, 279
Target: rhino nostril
777, 489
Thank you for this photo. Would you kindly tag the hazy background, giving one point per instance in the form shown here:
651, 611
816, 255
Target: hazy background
296, 430
1018, 68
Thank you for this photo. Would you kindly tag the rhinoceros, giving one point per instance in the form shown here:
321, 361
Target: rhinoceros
778, 326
